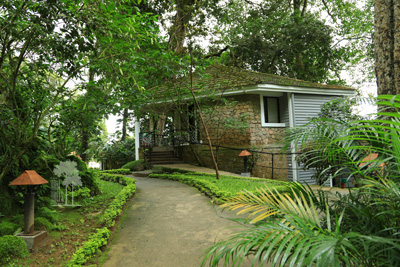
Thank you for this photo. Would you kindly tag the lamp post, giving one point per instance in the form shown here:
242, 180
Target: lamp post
245, 154
29, 179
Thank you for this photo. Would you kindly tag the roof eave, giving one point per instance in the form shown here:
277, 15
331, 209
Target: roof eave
262, 88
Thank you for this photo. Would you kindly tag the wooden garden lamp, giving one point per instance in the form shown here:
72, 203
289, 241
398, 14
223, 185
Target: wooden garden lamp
245, 154
30, 179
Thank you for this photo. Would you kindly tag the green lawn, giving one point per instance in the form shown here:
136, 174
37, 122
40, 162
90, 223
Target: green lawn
225, 187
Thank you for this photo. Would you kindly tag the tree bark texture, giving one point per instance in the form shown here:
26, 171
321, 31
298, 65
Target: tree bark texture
124, 124
387, 46
184, 9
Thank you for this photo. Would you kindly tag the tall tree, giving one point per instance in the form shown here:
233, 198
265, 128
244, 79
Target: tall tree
387, 46
43, 46
311, 40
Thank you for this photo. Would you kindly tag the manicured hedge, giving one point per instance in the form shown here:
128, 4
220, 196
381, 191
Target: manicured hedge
115, 178
118, 171
116, 205
92, 246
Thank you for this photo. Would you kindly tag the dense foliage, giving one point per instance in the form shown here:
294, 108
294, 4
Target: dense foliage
12, 246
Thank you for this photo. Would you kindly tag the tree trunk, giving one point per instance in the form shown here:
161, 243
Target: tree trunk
124, 124
178, 30
387, 46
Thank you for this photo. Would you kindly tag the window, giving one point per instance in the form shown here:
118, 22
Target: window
271, 110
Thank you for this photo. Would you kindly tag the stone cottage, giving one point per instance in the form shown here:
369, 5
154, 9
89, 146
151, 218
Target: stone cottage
242, 110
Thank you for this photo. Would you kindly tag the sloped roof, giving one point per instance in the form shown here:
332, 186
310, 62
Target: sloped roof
223, 78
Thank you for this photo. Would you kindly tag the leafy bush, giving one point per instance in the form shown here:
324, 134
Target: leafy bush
89, 180
82, 192
90, 248
17, 219
49, 214
118, 153
88, 177
81, 164
7, 228
12, 246
118, 171
137, 165
115, 178
41, 222
116, 205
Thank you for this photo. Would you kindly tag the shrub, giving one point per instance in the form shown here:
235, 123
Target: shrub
116, 178
118, 171
116, 205
9, 204
82, 192
90, 248
7, 228
12, 246
41, 222
81, 165
89, 180
137, 165
88, 177
18, 219
50, 215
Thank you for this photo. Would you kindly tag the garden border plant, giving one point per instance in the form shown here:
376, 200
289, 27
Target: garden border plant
210, 188
92, 246
118, 171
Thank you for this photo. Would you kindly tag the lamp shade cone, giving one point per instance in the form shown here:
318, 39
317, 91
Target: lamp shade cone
29, 178
244, 153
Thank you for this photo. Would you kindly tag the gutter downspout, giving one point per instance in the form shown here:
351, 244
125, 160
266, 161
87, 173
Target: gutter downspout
291, 125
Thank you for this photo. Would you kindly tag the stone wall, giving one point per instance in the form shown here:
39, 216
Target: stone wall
228, 160
236, 125
244, 111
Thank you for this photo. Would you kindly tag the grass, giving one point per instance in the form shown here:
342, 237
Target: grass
225, 187
234, 184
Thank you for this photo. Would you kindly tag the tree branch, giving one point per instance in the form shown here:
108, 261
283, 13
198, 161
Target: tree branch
219, 53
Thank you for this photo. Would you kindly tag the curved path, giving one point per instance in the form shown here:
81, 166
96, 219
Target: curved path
168, 224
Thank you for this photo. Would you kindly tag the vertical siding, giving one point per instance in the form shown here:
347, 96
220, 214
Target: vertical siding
305, 107
284, 109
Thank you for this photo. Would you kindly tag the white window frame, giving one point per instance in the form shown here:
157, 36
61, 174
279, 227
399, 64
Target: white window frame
263, 123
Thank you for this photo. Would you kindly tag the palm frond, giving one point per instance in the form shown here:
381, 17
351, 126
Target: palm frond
301, 201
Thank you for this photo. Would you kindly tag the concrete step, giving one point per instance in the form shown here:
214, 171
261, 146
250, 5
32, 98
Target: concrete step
161, 162
163, 157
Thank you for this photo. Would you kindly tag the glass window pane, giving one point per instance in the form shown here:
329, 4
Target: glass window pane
271, 109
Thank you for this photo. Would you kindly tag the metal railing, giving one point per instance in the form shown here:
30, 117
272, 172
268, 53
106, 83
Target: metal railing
177, 138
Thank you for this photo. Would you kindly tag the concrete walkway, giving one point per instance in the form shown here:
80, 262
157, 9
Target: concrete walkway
168, 224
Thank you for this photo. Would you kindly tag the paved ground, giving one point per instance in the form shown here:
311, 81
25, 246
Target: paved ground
168, 224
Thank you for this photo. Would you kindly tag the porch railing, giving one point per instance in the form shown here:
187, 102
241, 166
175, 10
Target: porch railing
177, 138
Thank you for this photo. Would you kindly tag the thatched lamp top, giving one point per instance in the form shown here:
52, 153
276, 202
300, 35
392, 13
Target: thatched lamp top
29, 178
244, 153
